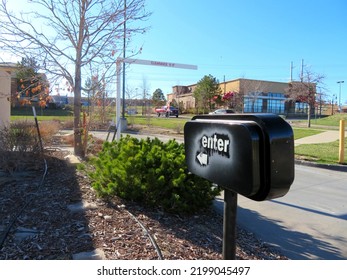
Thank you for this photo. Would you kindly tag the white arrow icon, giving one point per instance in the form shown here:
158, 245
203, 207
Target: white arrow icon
202, 158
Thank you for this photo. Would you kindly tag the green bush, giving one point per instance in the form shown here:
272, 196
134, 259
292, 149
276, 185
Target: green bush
150, 172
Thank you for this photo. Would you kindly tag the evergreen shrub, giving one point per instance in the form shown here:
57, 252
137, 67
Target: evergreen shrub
150, 172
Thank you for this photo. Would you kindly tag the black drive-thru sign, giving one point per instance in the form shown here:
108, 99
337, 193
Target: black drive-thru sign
252, 155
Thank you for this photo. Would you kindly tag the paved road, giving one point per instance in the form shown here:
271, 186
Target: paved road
310, 222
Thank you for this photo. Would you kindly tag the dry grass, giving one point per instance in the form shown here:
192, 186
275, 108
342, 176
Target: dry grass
21, 138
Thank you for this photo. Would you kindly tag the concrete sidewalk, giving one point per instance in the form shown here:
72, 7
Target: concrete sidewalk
324, 137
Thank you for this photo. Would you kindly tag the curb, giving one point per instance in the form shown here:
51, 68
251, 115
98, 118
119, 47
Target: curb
334, 167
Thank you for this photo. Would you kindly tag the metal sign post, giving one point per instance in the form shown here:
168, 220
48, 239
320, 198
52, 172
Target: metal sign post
143, 62
38, 129
229, 225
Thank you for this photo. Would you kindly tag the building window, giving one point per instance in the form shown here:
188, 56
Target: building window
301, 107
264, 103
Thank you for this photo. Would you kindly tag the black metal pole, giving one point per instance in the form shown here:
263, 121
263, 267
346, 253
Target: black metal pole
38, 129
229, 225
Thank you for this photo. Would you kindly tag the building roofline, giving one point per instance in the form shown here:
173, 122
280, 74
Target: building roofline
238, 79
257, 80
8, 64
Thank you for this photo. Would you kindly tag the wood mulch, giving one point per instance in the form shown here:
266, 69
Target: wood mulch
51, 226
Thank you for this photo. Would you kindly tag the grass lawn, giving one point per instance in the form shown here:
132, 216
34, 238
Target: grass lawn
327, 153
333, 121
176, 123
322, 153
169, 123
304, 132
28, 111
42, 118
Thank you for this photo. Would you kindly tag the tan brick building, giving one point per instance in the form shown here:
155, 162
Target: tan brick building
254, 96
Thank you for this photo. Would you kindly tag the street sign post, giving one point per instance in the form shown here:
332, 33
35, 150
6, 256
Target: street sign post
119, 63
247, 154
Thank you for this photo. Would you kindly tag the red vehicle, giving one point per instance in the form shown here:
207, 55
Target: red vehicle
167, 111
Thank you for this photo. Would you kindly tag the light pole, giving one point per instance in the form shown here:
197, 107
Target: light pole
333, 100
340, 82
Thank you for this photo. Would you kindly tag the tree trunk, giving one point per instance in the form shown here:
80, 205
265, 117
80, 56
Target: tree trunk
309, 115
78, 147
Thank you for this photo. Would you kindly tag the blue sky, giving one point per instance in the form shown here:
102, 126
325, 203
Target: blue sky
231, 39
255, 39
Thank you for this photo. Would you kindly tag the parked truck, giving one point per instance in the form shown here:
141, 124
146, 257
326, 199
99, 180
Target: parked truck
167, 111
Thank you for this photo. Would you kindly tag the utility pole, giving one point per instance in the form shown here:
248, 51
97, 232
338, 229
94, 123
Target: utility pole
302, 70
224, 85
291, 71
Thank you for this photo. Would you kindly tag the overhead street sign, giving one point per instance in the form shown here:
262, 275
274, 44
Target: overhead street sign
159, 63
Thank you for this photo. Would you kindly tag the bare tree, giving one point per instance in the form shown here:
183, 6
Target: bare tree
305, 90
145, 94
68, 38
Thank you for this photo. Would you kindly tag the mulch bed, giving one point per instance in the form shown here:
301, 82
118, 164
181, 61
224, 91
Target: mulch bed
55, 231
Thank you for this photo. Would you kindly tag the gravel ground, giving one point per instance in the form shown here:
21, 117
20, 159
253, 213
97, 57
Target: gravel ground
52, 225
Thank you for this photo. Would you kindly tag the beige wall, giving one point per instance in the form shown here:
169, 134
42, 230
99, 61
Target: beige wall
263, 86
5, 97
187, 99
245, 85
253, 85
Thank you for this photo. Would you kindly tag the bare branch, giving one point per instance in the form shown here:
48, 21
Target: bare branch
70, 38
